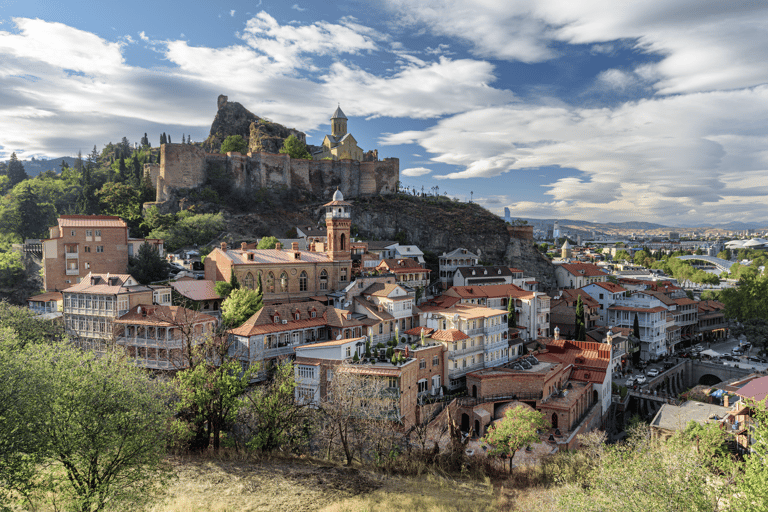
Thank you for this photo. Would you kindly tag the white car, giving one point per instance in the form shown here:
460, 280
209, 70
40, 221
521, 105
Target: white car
640, 379
653, 372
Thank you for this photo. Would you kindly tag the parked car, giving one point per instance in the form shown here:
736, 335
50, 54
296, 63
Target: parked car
640, 379
756, 359
736, 351
630, 381
726, 357
653, 372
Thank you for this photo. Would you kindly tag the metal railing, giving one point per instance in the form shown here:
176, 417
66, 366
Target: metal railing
470, 401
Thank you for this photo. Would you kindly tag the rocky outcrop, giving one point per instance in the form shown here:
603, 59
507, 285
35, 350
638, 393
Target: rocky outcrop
231, 119
442, 225
268, 137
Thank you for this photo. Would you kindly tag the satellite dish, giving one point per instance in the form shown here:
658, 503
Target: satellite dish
346, 304
338, 337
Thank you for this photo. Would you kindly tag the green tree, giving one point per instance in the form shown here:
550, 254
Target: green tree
23, 327
11, 269
724, 254
622, 255
752, 495
267, 242
748, 300
636, 327
190, 229
273, 418
516, 430
97, 424
32, 216
241, 305
121, 199
234, 144
148, 266
511, 313
233, 282
210, 392
295, 148
223, 289
581, 328
16, 172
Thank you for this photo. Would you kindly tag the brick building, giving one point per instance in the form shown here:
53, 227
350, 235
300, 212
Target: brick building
81, 244
92, 306
292, 274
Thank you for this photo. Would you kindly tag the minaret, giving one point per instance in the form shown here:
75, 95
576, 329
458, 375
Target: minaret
338, 123
338, 222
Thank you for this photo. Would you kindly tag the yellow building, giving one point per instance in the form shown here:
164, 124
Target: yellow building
339, 145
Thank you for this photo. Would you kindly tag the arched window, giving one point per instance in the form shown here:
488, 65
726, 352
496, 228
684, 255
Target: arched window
248, 281
284, 282
342, 244
271, 282
303, 282
323, 280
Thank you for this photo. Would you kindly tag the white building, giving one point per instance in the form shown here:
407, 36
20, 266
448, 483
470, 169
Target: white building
449, 262
606, 294
652, 318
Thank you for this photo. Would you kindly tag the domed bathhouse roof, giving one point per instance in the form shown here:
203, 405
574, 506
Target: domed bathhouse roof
338, 196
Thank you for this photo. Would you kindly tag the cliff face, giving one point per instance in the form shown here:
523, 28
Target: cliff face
442, 225
231, 119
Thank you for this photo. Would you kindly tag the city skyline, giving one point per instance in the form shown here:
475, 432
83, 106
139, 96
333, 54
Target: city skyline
644, 111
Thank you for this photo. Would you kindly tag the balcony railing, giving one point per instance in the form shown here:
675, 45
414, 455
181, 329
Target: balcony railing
73, 271
71, 255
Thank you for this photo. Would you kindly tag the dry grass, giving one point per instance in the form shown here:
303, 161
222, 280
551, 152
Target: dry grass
296, 485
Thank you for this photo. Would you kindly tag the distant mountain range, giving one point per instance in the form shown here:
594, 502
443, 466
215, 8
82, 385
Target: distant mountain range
644, 226
35, 167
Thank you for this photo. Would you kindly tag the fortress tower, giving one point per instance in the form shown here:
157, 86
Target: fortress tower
338, 222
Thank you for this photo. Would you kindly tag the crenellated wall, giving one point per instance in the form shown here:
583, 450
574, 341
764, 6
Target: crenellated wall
186, 166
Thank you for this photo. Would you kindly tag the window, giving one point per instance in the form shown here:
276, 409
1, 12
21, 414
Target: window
381, 328
297, 316
86, 249
324, 280
99, 248
248, 281
98, 232
423, 386
73, 232
422, 363
306, 372
284, 282
393, 383
277, 318
435, 361
343, 276
303, 282
313, 314
349, 352
88, 232
271, 282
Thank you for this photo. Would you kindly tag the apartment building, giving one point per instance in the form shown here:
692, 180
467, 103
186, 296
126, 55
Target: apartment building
92, 306
407, 271
318, 364
449, 262
563, 311
475, 337
275, 331
652, 319
161, 337
606, 294
387, 309
480, 276
578, 275
84, 244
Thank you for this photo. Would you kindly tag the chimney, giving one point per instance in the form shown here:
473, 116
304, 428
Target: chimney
725, 400
294, 246
224, 246
278, 246
312, 247
557, 333
242, 246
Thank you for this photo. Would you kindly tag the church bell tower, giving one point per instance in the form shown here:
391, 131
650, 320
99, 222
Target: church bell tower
338, 222
338, 123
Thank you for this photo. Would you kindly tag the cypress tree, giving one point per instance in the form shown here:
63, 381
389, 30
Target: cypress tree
233, 279
581, 330
636, 327
16, 172
259, 294
511, 315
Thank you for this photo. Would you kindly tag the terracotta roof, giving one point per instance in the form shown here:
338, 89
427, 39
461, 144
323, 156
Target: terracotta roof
756, 390
47, 297
401, 264
103, 287
685, 301
572, 295
416, 331
87, 221
662, 286
196, 289
438, 303
240, 257
263, 321
380, 289
492, 291
449, 335
482, 271
584, 355
595, 376
163, 316
611, 287
583, 269
373, 309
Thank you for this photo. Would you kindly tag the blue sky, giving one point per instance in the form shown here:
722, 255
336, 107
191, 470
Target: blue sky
597, 110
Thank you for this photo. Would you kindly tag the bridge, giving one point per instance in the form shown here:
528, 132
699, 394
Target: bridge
720, 263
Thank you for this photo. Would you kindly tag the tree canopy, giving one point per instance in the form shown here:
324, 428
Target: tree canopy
295, 148
516, 430
267, 242
148, 266
241, 305
234, 144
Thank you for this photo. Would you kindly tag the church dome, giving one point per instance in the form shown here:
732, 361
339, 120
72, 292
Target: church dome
338, 196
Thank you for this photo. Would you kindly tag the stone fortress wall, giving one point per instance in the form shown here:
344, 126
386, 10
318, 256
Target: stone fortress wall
184, 166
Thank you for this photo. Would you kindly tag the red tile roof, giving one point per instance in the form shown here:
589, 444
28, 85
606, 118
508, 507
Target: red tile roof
611, 287
584, 355
47, 297
657, 309
756, 390
449, 335
583, 269
99, 284
416, 331
163, 316
196, 289
87, 221
491, 291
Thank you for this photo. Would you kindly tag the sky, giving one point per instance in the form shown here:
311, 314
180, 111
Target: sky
651, 110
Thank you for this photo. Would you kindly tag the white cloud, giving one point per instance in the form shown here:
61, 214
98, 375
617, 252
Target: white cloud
716, 45
296, 7
656, 157
415, 171
617, 79
232, 13
143, 36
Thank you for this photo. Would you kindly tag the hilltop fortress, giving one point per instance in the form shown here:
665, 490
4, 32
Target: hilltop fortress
339, 163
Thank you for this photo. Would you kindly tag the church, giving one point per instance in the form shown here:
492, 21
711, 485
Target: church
339, 145
290, 274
